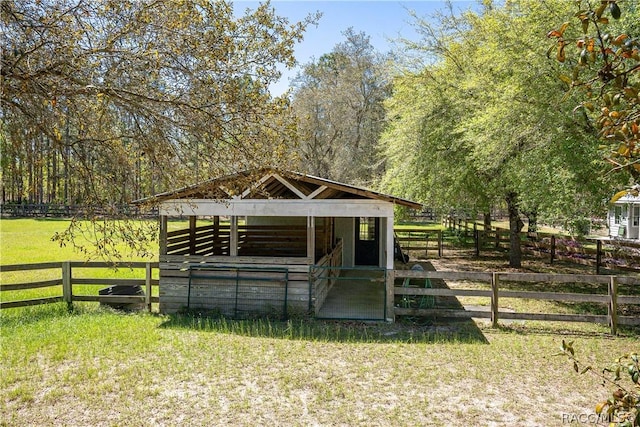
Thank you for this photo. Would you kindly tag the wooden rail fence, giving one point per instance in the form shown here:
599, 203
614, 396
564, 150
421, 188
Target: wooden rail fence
608, 253
68, 281
419, 239
54, 210
497, 290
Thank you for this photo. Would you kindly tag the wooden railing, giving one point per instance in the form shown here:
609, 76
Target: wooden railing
497, 290
68, 281
419, 239
615, 254
322, 277
53, 210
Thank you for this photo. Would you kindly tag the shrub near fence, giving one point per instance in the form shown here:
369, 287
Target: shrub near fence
67, 280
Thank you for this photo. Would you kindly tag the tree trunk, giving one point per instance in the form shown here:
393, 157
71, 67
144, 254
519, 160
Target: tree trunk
532, 219
487, 222
515, 226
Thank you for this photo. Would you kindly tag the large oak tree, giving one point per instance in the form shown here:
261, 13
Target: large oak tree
479, 125
124, 98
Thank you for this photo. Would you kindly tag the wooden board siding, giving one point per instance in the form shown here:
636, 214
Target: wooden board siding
207, 240
253, 240
212, 291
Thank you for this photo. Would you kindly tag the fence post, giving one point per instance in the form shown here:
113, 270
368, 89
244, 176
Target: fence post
426, 245
390, 314
613, 304
553, 248
67, 288
494, 300
497, 238
147, 283
440, 243
476, 239
192, 235
598, 255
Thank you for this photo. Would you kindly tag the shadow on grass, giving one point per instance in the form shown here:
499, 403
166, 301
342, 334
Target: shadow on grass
24, 316
562, 330
464, 325
310, 329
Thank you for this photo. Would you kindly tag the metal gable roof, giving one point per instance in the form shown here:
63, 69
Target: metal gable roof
274, 184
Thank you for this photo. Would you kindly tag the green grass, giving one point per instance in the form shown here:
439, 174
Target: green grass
28, 241
95, 366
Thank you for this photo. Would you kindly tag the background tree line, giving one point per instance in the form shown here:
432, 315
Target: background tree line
106, 102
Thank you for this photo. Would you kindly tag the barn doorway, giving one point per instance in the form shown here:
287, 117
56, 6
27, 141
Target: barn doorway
367, 241
350, 293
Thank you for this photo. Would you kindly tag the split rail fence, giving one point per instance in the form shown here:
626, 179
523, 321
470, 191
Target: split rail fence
67, 281
419, 239
499, 288
617, 295
615, 254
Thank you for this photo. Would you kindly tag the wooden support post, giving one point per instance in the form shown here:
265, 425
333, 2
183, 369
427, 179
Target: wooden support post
233, 237
494, 300
613, 305
163, 235
147, 285
553, 248
598, 255
216, 237
67, 287
192, 234
390, 314
440, 244
311, 239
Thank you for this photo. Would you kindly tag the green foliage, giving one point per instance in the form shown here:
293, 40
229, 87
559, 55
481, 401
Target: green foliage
486, 122
602, 58
106, 102
623, 407
482, 120
579, 227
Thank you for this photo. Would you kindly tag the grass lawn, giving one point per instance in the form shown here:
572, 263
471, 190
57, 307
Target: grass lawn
96, 366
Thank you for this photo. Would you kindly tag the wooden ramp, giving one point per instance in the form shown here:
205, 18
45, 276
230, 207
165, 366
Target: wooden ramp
358, 294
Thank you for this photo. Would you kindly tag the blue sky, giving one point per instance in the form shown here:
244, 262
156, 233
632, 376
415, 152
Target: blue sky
382, 20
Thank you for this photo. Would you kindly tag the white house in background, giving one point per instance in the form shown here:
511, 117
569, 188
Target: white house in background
624, 217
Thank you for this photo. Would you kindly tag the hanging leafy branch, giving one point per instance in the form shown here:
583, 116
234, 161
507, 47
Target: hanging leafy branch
132, 97
623, 407
603, 57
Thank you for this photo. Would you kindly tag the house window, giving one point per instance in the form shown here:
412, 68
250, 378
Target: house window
617, 215
367, 229
636, 216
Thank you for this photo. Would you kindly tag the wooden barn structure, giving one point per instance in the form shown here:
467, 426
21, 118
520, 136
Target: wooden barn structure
276, 242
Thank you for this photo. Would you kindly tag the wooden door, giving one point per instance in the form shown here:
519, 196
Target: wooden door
367, 241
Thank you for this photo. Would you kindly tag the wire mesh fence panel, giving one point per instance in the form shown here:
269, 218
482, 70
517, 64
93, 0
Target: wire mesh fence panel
239, 292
